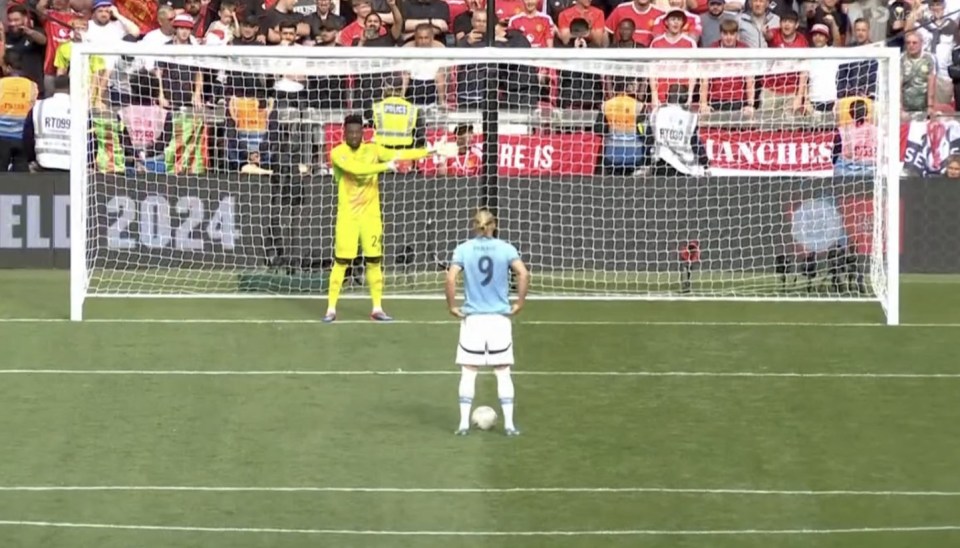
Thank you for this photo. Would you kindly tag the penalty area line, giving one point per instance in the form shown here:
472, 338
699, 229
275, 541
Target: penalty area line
519, 322
452, 372
473, 490
389, 533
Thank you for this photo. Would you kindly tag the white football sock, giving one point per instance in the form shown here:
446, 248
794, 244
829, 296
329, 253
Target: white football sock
468, 386
505, 391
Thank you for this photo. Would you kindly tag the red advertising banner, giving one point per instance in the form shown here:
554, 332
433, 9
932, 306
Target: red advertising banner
751, 152
144, 14
525, 155
731, 152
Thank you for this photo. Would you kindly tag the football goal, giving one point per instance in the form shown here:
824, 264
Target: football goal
644, 174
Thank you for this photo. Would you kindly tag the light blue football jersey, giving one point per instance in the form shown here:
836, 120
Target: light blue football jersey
486, 274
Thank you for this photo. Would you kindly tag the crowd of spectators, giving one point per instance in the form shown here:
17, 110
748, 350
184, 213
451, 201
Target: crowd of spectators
39, 33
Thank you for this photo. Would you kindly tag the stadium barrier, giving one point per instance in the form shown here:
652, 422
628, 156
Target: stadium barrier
295, 215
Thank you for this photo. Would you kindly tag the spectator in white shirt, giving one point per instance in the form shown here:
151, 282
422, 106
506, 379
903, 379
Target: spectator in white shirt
823, 74
107, 26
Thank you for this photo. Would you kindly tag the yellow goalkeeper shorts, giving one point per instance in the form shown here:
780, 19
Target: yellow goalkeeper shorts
354, 234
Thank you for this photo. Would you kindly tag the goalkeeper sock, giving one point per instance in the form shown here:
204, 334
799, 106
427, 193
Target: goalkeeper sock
336, 284
505, 392
375, 280
468, 386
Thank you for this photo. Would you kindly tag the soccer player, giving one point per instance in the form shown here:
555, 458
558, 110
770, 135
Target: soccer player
486, 338
356, 166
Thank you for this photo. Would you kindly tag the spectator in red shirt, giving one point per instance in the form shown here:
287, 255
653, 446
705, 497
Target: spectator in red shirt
643, 15
505, 9
467, 163
785, 91
673, 38
691, 27
583, 9
728, 93
56, 24
535, 26
352, 32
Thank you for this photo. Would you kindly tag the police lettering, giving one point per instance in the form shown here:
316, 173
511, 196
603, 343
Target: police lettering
394, 109
52, 122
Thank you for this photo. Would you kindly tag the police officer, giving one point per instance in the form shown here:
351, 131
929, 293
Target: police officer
46, 131
396, 121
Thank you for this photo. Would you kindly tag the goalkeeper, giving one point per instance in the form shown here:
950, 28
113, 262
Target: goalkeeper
356, 166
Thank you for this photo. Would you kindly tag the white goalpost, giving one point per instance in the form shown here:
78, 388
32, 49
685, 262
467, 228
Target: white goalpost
228, 192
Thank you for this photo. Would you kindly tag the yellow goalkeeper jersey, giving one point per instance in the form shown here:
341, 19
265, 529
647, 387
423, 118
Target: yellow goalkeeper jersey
356, 173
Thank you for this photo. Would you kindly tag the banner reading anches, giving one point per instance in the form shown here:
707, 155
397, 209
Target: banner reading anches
731, 152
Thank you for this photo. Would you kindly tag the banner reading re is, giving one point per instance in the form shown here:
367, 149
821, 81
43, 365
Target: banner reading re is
144, 14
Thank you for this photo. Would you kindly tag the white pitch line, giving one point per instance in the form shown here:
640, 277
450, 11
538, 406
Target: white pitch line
387, 533
471, 490
406, 373
633, 323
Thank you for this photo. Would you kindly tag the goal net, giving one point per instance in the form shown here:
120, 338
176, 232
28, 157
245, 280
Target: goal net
727, 174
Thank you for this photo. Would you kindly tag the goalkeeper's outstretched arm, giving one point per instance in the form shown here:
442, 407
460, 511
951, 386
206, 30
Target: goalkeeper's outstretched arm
346, 162
402, 154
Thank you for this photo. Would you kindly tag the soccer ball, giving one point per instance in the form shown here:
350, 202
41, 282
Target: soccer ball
484, 417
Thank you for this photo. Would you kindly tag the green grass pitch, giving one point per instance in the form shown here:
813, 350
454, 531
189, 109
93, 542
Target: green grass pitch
721, 425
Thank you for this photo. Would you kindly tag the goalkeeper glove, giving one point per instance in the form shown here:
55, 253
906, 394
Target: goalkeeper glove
392, 165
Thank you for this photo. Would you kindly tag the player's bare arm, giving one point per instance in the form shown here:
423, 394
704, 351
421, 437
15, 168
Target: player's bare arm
523, 285
451, 291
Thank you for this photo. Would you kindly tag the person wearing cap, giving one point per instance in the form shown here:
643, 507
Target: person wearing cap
822, 90
396, 121
691, 22
828, 13
710, 21
674, 37
180, 84
757, 24
202, 16
327, 32
108, 25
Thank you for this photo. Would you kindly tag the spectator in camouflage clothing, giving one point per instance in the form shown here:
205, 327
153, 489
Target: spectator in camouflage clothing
918, 69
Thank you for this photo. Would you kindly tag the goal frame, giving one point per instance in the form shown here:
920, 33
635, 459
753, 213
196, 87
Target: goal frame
890, 126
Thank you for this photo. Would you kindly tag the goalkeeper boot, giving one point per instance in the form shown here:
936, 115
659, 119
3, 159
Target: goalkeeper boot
512, 432
380, 316
462, 431
330, 317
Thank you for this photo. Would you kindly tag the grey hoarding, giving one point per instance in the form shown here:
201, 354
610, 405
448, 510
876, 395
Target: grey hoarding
562, 223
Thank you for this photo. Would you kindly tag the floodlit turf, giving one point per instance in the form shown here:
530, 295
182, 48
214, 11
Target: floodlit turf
334, 409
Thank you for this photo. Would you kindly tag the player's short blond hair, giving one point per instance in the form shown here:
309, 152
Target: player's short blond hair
484, 220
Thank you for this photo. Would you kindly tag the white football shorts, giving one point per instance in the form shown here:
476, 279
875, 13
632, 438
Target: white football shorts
485, 340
